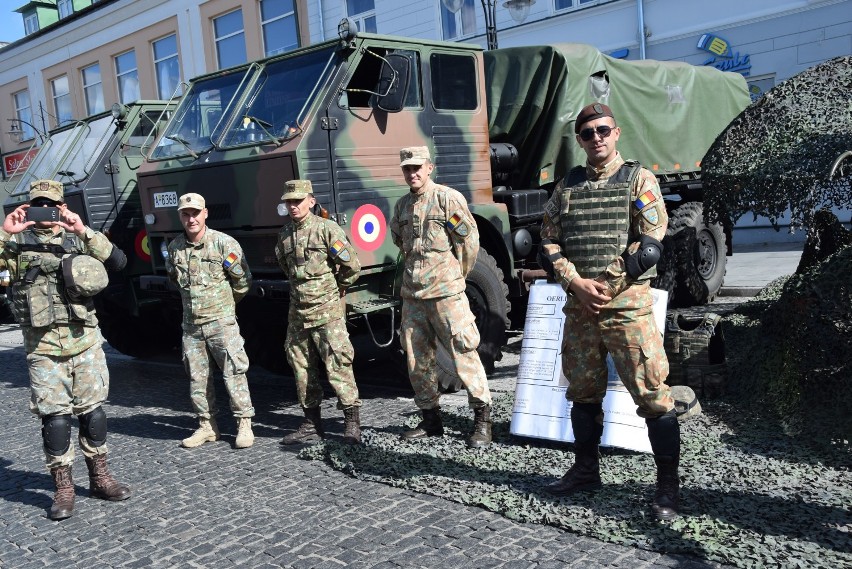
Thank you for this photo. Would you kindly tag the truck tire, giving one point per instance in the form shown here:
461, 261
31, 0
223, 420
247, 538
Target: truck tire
701, 261
488, 296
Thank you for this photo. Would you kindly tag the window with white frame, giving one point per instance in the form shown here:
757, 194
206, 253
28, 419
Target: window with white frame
459, 24
364, 14
128, 76
66, 8
61, 100
278, 19
93, 89
166, 65
230, 39
31, 23
24, 112
570, 4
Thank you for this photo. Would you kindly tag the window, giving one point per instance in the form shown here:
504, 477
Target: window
128, 77
93, 89
230, 40
364, 14
278, 19
568, 4
365, 82
166, 65
452, 87
61, 100
31, 24
66, 8
24, 112
462, 23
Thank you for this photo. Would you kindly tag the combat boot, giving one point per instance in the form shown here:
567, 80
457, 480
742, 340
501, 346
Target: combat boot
63, 499
245, 436
583, 476
430, 426
101, 483
481, 435
310, 431
207, 432
667, 495
352, 424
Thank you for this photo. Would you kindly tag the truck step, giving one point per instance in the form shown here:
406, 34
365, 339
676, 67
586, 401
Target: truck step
374, 304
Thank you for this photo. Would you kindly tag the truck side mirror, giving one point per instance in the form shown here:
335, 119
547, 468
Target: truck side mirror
393, 82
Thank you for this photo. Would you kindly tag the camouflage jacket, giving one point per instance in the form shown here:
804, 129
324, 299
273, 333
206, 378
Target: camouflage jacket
212, 275
647, 214
439, 241
319, 263
64, 337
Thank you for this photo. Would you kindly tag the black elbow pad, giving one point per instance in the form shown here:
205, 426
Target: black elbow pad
646, 257
116, 261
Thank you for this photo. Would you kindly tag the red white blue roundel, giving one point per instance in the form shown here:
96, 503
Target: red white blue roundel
368, 227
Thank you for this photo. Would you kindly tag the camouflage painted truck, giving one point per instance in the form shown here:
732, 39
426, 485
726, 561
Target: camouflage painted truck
499, 125
97, 158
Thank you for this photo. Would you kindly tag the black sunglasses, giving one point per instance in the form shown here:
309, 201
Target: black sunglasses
589, 133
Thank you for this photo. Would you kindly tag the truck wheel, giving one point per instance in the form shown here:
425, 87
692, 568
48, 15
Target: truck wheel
700, 260
135, 336
488, 296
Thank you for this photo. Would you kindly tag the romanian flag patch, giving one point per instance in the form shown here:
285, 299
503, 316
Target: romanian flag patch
338, 250
230, 260
453, 222
645, 199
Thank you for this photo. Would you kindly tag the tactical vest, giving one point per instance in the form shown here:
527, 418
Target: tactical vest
38, 292
595, 219
695, 348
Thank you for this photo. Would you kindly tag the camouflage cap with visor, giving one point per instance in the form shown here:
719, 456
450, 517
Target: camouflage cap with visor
414, 156
47, 189
297, 190
191, 201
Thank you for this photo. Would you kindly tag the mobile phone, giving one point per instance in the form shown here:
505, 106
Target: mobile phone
42, 214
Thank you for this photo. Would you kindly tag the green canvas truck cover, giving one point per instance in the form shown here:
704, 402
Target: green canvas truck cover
669, 112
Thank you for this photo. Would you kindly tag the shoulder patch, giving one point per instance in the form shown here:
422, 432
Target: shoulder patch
229, 261
457, 224
651, 216
645, 199
340, 250
551, 209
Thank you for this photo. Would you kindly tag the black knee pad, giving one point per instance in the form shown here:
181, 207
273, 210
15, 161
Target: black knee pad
56, 434
93, 426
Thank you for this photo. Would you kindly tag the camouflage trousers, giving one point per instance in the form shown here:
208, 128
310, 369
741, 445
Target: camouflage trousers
69, 385
328, 343
218, 342
626, 330
450, 322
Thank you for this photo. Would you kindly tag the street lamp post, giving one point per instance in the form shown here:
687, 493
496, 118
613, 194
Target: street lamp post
16, 132
518, 9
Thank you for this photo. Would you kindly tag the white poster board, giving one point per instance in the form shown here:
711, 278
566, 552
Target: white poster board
541, 409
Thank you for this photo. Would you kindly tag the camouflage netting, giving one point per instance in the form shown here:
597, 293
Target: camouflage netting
751, 497
779, 152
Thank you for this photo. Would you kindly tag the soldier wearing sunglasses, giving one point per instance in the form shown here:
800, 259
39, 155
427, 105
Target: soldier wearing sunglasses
601, 240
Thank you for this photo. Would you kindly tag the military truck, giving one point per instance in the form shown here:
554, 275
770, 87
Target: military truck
499, 125
97, 158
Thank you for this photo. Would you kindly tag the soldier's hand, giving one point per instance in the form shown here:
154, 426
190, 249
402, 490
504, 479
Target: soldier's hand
70, 220
592, 294
16, 221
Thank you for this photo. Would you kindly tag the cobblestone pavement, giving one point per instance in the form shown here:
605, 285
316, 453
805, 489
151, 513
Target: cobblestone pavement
215, 506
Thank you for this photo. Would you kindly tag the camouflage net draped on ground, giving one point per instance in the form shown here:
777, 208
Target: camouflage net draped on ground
778, 153
751, 498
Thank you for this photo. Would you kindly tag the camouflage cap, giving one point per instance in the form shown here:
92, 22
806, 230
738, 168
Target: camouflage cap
191, 201
84, 275
590, 113
49, 189
414, 155
297, 190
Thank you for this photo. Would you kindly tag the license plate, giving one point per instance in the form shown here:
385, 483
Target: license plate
165, 199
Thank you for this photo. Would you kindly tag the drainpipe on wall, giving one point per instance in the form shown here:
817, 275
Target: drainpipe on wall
321, 25
640, 6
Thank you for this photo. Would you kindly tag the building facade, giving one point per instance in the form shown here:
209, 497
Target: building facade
81, 56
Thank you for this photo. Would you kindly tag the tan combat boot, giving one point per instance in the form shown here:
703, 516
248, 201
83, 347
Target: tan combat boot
63, 499
245, 436
207, 432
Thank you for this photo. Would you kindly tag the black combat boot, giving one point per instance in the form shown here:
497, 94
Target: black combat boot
63, 499
101, 483
664, 434
310, 431
430, 426
481, 435
352, 425
585, 474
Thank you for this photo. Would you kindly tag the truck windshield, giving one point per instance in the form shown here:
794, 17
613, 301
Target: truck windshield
274, 108
68, 155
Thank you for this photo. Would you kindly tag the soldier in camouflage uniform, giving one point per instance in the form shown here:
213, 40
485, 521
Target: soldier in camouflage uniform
51, 300
601, 240
439, 241
320, 265
213, 275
